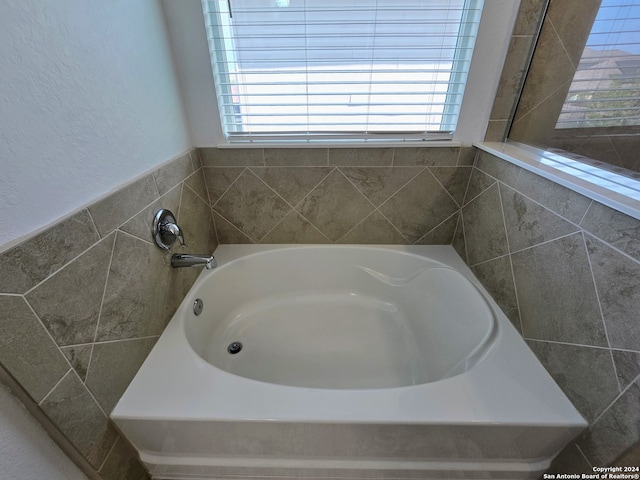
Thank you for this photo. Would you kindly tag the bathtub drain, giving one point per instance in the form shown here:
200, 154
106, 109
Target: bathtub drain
234, 348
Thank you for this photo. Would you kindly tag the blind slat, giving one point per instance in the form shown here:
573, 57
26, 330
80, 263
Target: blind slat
401, 67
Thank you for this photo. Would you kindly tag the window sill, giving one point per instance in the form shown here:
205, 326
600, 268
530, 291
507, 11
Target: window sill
611, 189
345, 144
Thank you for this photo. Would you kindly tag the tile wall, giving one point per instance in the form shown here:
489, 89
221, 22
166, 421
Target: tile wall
566, 271
350, 195
84, 302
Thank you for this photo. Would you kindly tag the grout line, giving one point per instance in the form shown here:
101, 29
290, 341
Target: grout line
213, 224
229, 187
566, 52
604, 323
234, 226
109, 453
53, 388
104, 294
546, 242
147, 337
585, 214
48, 333
513, 275
93, 222
442, 185
184, 183
566, 343
612, 403
464, 237
612, 247
101, 239
541, 102
422, 169
466, 190
583, 455
457, 212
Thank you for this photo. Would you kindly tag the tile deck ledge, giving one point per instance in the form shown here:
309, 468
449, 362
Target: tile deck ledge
611, 189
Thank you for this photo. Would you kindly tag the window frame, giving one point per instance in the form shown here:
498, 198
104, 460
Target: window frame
188, 38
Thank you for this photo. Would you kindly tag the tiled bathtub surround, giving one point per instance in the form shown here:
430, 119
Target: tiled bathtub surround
566, 271
326, 195
84, 302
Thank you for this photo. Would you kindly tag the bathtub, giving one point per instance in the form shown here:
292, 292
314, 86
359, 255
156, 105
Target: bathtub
343, 362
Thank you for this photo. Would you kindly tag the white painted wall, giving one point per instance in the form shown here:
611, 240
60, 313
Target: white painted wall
26, 451
88, 100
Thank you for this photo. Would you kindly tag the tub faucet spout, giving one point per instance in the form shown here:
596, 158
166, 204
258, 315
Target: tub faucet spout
179, 260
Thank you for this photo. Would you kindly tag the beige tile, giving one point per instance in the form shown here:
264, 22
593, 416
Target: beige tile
31, 261
512, 77
231, 157
68, 302
111, 212
378, 184
497, 277
141, 225
376, 230
294, 228
484, 227
174, 172
550, 69
478, 183
79, 357
296, 157
615, 431
572, 20
27, 352
419, 206
497, 131
228, 233
113, 366
455, 180
122, 463
499, 169
134, 299
586, 375
618, 282
361, 157
615, 228
458, 242
426, 156
73, 410
195, 159
560, 200
292, 183
252, 206
335, 206
556, 293
467, 156
219, 179
193, 217
529, 17
441, 234
627, 366
196, 183
528, 223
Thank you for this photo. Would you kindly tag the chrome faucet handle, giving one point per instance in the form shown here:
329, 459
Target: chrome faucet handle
165, 230
172, 229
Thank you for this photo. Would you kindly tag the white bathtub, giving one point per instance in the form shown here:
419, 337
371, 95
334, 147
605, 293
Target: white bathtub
356, 362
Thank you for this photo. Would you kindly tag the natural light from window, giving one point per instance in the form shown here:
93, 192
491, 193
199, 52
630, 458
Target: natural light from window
340, 69
605, 91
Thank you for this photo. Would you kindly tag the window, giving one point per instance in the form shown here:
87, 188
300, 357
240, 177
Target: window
605, 91
340, 69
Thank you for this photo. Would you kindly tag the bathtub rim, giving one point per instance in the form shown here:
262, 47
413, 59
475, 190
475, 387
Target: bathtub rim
538, 402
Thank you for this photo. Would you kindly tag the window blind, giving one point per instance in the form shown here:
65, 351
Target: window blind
605, 91
340, 69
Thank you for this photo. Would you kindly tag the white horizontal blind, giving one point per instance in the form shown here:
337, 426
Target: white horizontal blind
340, 69
605, 91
